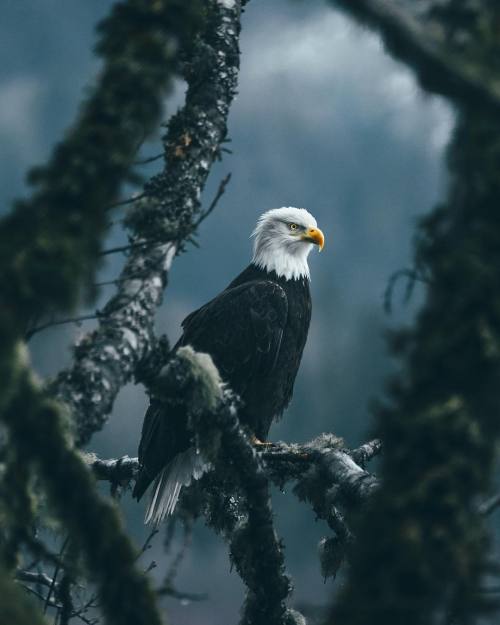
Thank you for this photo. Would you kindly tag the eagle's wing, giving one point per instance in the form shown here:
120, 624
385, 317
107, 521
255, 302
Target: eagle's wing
242, 330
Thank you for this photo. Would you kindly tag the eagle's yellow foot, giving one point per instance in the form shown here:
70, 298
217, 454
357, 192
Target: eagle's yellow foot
258, 443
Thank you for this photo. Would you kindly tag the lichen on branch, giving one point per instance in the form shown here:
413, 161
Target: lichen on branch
112, 355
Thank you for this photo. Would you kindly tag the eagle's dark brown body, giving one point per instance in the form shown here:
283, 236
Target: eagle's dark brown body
255, 332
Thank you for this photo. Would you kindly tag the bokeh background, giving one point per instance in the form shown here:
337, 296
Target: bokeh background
324, 119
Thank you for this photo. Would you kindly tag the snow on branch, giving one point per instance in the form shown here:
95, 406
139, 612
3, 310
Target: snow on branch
106, 359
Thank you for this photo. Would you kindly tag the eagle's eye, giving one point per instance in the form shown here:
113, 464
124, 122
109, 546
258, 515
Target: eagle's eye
293, 226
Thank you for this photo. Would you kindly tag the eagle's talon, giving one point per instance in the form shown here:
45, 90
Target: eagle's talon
258, 443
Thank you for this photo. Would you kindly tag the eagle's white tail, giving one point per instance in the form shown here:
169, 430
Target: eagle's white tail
185, 467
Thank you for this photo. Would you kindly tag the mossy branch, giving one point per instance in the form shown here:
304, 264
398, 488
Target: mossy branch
37, 429
50, 241
440, 429
325, 473
110, 356
419, 36
48, 256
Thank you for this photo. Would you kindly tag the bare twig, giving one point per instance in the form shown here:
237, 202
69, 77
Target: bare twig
40, 578
147, 542
170, 591
59, 322
98, 314
56, 572
80, 612
220, 192
129, 200
51, 604
150, 159
413, 276
130, 246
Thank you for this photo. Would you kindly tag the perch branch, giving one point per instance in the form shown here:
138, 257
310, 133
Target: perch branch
236, 492
282, 463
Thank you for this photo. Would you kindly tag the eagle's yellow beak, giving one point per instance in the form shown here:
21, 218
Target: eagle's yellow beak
314, 235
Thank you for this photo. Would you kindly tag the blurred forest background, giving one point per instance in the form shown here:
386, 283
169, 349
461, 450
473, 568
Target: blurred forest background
325, 119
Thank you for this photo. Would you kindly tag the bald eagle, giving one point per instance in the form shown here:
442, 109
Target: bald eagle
255, 331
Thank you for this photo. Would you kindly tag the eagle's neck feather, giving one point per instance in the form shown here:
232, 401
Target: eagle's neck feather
286, 265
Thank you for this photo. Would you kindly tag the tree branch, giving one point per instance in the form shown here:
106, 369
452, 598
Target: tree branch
282, 463
422, 44
150, 159
110, 356
325, 472
31, 577
60, 226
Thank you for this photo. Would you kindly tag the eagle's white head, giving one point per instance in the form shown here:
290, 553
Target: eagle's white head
283, 239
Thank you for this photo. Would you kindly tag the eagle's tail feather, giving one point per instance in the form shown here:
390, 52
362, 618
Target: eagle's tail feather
185, 467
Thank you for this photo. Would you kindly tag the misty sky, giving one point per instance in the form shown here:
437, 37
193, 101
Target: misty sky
324, 119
